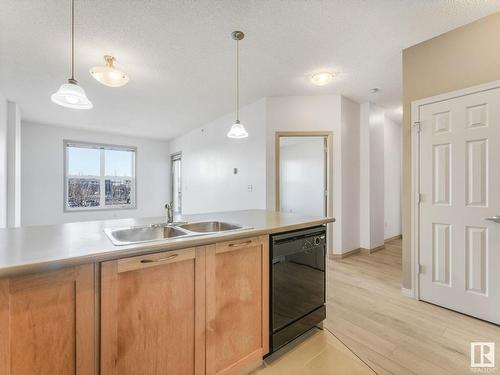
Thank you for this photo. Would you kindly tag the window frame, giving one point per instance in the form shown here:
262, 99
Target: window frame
102, 177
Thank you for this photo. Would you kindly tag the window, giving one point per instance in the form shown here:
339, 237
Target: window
99, 176
176, 161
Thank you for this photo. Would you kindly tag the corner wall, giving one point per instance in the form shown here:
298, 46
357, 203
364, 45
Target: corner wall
3, 161
392, 178
42, 167
464, 57
209, 183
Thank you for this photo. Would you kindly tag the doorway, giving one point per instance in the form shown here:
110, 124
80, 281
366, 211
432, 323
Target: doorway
176, 182
302, 178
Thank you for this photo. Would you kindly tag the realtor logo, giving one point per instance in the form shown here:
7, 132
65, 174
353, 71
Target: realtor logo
482, 355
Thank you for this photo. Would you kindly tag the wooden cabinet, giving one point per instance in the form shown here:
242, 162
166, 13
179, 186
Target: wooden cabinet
153, 314
193, 311
47, 323
237, 297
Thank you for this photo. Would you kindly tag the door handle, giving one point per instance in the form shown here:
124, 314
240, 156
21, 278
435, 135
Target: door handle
495, 218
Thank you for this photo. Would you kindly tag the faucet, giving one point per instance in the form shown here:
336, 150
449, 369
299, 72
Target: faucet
170, 212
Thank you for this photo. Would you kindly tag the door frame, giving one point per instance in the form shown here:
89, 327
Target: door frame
414, 292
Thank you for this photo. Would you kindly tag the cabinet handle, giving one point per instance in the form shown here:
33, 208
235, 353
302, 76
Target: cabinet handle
159, 260
240, 244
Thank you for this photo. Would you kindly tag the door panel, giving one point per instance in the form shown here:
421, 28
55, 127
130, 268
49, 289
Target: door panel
237, 305
460, 187
153, 315
47, 323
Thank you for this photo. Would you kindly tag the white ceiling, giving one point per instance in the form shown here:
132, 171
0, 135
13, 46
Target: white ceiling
180, 55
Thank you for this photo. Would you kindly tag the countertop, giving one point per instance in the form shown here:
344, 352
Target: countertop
40, 248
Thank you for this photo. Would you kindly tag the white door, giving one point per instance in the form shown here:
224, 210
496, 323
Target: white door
303, 175
460, 187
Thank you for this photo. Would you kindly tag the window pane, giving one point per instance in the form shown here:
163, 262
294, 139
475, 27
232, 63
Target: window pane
176, 185
118, 163
84, 161
118, 191
83, 192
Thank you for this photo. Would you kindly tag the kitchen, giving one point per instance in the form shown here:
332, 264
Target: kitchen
225, 187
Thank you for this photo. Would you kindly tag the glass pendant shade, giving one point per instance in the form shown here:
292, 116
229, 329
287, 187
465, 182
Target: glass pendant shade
71, 95
108, 75
237, 131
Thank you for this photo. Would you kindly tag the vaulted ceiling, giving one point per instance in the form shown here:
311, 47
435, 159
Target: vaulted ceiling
180, 55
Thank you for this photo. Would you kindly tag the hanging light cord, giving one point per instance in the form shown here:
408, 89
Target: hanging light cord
237, 80
72, 40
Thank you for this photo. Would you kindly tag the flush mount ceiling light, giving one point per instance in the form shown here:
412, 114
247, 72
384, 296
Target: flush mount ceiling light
322, 78
374, 90
71, 95
237, 130
108, 75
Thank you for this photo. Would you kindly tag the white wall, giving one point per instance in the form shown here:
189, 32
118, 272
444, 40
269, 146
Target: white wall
350, 118
308, 113
42, 165
371, 176
209, 157
13, 165
3, 161
392, 178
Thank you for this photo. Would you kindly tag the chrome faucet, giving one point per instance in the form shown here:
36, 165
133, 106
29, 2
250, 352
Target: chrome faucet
170, 212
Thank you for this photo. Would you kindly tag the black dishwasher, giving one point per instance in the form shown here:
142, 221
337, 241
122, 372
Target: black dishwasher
297, 283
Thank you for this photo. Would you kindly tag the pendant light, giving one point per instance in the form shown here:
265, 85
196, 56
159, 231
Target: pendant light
237, 130
71, 95
108, 75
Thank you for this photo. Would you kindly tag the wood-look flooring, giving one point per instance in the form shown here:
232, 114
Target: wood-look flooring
374, 328
394, 334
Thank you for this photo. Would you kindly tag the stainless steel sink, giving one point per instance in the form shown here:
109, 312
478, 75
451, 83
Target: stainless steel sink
210, 226
163, 231
125, 236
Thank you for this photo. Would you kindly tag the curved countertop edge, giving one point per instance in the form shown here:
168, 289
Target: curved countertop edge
116, 252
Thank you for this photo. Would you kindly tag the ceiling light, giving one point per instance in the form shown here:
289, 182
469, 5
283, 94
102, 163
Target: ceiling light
237, 130
322, 78
108, 75
71, 95
374, 90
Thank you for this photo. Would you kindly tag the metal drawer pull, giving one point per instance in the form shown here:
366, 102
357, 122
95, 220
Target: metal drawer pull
240, 244
159, 260
496, 219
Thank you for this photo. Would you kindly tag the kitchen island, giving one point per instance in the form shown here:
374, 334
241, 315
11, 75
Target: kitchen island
71, 302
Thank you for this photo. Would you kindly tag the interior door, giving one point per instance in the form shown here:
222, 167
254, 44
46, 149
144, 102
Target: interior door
302, 175
460, 187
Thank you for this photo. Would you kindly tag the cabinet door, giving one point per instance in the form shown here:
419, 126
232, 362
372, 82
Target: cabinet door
47, 323
237, 305
153, 314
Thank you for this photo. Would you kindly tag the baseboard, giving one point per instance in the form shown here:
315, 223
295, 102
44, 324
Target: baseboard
344, 255
373, 250
398, 237
407, 293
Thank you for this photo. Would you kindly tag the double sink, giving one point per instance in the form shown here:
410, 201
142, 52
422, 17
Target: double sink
163, 231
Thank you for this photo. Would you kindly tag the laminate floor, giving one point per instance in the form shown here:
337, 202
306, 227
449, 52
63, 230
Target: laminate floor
370, 328
395, 334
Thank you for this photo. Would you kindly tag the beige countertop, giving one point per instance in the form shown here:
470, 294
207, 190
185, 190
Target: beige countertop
40, 248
